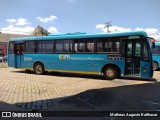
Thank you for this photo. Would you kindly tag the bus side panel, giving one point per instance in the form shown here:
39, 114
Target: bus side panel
29, 60
11, 60
146, 69
75, 62
78, 62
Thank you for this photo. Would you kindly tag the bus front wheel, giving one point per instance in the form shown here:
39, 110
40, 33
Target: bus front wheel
155, 66
39, 68
110, 72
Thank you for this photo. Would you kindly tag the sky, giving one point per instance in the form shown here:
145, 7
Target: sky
90, 16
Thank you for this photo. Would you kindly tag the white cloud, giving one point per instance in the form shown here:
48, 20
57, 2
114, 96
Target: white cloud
51, 18
149, 31
11, 20
22, 21
52, 30
11, 29
152, 32
14, 27
119, 29
112, 28
100, 26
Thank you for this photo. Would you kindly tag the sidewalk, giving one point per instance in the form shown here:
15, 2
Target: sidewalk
3, 65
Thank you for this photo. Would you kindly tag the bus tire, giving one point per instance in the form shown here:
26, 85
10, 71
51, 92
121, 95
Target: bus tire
155, 66
39, 68
110, 72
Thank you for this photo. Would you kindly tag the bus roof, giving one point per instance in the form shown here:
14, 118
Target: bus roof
80, 35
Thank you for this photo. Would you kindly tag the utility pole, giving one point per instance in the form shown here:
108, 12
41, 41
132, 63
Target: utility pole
107, 25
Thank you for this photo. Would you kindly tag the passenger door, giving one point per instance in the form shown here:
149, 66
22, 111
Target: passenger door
133, 58
19, 54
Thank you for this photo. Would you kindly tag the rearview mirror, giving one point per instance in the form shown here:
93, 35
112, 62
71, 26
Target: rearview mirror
152, 41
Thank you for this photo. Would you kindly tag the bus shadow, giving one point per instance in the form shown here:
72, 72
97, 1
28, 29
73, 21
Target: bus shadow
122, 98
139, 79
88, 76
158, 69
7, 107
59, 74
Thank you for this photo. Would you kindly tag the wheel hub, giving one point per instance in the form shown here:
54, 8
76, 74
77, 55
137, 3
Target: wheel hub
109, 73
38, 68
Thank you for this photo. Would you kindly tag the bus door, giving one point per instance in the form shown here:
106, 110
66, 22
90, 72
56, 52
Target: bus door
133, 58
19, 54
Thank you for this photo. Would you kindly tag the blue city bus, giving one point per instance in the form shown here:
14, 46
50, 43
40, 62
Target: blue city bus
108, 54
156, 56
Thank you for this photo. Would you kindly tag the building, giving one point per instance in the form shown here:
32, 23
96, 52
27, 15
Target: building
4, 40
4, 37
39, 31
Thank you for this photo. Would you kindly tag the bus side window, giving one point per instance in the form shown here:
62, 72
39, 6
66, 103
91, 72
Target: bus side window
59, 46
11, 47
100, 46
110, 45
138, 49
41, 46
99, 49
49, 48
90, 45
75, 47
145, 51
110, 50
30, 47
67, 45
81, 47
114, 44
87, 50
129, 49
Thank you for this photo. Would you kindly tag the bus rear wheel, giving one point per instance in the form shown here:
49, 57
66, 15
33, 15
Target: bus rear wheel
110, 72
155, 66
39, 68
